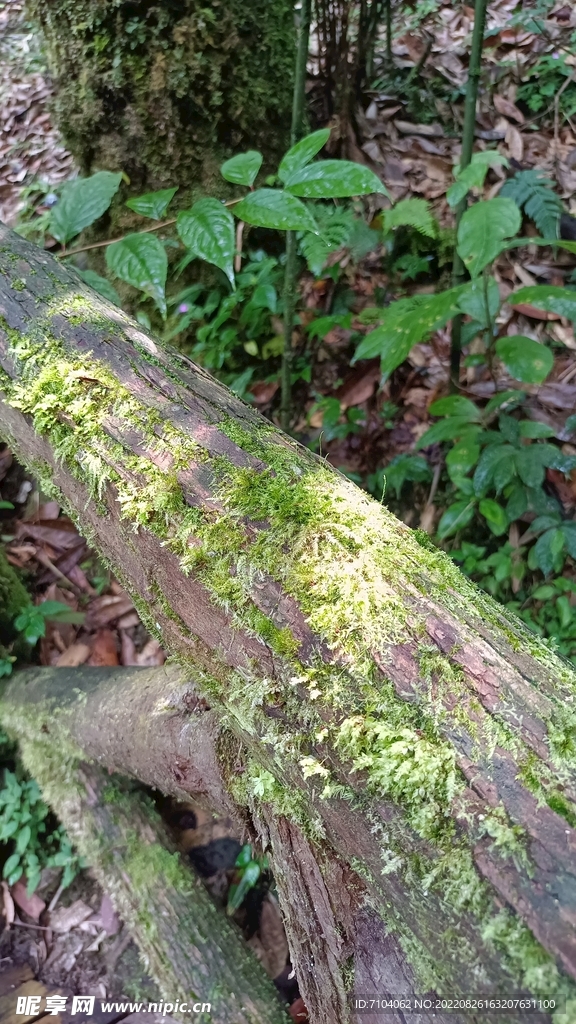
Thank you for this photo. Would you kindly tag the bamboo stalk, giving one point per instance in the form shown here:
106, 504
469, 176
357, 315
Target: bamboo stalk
291, 254
458, 268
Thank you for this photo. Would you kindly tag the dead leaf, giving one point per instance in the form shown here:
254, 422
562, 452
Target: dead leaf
433, 131
515, 143
264, 391
106, 609
8, 905
536, 314
358, 386
104, 650
151, 654
508, 109
128, 649
298, 1011
108, 916
273, 937
30, 905
75, 655
66, 918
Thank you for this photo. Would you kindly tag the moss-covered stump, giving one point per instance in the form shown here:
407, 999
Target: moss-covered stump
188, 946
387, 705
163, 92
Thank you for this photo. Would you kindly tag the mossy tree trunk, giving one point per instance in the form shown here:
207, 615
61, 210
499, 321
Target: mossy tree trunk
388, 708
164, 91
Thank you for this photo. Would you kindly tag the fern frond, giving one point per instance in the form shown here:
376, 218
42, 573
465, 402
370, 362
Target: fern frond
535, 195
414, 213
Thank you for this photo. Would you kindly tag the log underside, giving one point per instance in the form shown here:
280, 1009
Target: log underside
379, 712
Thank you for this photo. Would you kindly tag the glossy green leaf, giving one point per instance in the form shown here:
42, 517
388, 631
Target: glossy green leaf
81, 202
456, 517
530, 465
535, 429
547, 549
456, 405
302, 153
448, 429
152, 204
11, 865
525, 359
505, 400
569, 533
101, 285
334, 179
406, 322
272, 208
243, 168
23, 838
547, 297
488, 463
483, 230
207, 231
237, 893
462, 457
474, 175
140, 260
494, 515
480, 303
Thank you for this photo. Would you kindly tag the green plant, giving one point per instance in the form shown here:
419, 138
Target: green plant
548, 78
248, 870
535, 195
31, 624
35, 844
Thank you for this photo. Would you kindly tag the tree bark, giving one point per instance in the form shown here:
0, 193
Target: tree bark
163, 92
388, 708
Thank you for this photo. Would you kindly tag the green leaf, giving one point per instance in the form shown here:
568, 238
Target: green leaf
474, 175
547, 548
81, 202
505, 399
31, 624
534, 194
535, 429
570, 425
152, 204
473, 301
302, 153
406, 322
207, 230
569, 531
334, 179
272, 208
446, 430
23, 838
547, 297
462, 457
11, 865
413, 213
455, 518
243, 168
488, 463
456, 405
237, 893
529, 464
494, 515
101, 285
525, 359
140, 260
244, 857
483, 230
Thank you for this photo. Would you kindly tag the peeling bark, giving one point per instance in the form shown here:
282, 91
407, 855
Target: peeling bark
386, 706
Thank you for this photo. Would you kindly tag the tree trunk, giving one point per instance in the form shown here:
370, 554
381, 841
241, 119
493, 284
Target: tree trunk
389, 709
164, 92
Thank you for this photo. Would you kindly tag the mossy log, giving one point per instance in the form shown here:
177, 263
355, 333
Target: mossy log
164, 92
387, 706
191, 950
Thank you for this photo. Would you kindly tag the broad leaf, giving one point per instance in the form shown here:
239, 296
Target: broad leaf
547, 548
242, 169
302, 153
447, 430
140, 260
505, 399
494, 515
272, 208
456, 405
406, 323
414, 213
152, 204
207, 231
483, 230
334, 179
530, 464
101, 285
473, 176
490, 460
479, 303
462, 457
81, 203
455, 518
525, 359
535, 429
547, 297
569, 531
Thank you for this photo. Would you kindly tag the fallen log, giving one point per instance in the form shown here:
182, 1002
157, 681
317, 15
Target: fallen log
387, 707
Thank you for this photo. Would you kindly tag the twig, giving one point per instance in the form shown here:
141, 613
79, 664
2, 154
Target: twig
110, 241
37, 927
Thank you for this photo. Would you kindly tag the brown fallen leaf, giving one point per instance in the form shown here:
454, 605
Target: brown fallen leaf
75, 655
536, 314
263, 391
108, 916
150, 655
508, 109
8, 905
106, 609
128, 649
359, 385
31, 905
298, 1011
66, 918
104, 650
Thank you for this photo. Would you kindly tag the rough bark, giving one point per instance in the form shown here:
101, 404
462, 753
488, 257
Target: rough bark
163, 91
189, 947
387, 706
